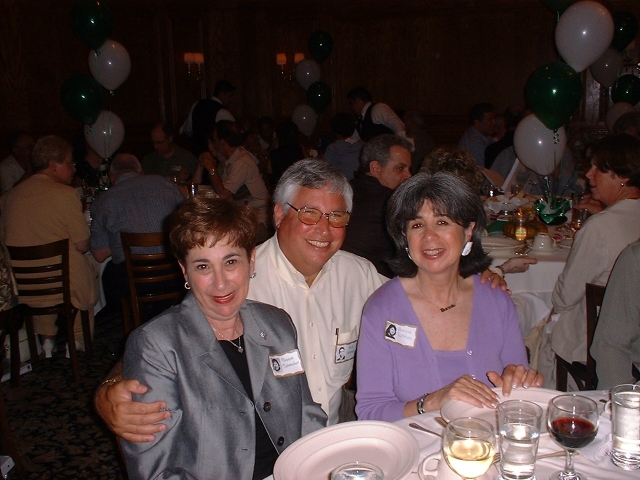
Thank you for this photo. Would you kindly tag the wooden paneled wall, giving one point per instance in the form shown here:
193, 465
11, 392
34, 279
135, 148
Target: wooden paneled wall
438, 57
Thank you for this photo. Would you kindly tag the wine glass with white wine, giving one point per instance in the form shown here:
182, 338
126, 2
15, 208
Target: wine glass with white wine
468, 446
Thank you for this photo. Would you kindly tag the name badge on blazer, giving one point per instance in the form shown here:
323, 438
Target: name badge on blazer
400, 333
286, 364
346, 351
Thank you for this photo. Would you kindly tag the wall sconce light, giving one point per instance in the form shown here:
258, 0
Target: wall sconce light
298, 57
281, 60
194, 58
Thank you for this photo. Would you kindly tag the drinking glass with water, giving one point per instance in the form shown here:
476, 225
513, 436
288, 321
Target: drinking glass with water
519, 424
625, 426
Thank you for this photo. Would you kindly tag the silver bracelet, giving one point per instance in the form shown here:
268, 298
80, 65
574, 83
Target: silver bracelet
420, 404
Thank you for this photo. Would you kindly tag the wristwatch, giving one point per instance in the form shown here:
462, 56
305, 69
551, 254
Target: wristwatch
420, 404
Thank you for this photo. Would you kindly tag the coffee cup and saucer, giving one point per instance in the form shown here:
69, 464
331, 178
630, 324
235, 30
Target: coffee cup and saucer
543, 243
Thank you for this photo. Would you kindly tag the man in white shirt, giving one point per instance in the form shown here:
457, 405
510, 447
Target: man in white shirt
373, 118
16, 166
301, 270
482, 123
222, 94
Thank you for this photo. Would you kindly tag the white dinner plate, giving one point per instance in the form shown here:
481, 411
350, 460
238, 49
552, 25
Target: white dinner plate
540, 396
313, 457
565, 243
490, 244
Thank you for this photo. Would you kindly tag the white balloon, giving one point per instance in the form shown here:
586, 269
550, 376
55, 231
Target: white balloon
536, 147
615, 112
110, 64
606, 69
106, 135
307, 72
583, 33
305, 118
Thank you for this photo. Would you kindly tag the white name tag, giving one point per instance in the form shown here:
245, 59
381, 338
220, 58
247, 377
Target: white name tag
346, 351
285, 364
404, 335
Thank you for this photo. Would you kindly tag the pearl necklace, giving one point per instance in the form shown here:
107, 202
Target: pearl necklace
235, 330
442, 309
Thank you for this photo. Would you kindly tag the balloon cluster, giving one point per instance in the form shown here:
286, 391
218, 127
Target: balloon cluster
109, 63
586, 35
308, 76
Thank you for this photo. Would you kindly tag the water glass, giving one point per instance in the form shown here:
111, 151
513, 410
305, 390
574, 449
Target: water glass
625, 426
519, 424
357, 471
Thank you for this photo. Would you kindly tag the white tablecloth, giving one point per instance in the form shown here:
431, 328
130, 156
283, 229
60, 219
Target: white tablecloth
544, 468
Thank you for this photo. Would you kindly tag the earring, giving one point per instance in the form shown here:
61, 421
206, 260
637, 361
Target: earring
622, 184
467, 249
187, 286
253, 275
408, 254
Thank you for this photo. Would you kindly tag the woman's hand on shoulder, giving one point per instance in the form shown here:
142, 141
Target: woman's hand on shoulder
514, 376
465, 389
133, 421
495, 279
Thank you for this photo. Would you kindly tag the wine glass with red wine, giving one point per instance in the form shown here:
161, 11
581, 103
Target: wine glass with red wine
573, 424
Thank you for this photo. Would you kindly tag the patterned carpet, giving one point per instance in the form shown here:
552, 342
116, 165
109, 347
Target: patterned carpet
53, 420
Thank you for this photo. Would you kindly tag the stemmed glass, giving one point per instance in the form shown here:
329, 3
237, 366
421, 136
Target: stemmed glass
468, 446
573, 423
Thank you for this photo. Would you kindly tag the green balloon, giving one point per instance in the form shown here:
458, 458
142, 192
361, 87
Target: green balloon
626, 89
319, 96
91, 22
320, 45
558, 6
553, 93
625, 29
81, 97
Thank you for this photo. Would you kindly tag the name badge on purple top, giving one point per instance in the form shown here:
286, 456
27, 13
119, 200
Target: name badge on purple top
400, 333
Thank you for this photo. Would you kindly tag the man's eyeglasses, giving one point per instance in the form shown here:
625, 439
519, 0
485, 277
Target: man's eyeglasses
311, 216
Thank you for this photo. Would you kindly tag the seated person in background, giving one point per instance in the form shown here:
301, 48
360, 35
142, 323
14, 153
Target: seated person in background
91, 169
211, 360
288, 152
44, 209
16, 166
267, 134
616, 343
482, 123
423, 143
454, 336
511, 118
386, 160
136, 203
614, 178
168, 159
344, 153
240, 179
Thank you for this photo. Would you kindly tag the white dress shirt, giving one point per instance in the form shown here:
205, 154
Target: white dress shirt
326, 314
223, 114
383, 114
10, 173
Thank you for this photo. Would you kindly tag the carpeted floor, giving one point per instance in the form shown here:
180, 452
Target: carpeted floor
53, 420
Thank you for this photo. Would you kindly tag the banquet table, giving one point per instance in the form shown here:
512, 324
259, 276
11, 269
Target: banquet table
604, 469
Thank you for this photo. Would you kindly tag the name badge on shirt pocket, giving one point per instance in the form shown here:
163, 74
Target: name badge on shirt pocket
400, 333
286, 364
346, 351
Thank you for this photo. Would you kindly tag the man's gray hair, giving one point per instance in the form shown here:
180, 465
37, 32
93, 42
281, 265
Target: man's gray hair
379, 149
313, 174
125, 163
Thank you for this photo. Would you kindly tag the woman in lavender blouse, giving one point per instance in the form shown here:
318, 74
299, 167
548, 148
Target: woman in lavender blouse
454, 337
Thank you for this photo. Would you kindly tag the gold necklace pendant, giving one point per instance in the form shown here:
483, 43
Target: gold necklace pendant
444, 309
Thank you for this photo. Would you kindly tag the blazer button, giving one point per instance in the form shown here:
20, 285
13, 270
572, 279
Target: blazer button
266, 407
280, 441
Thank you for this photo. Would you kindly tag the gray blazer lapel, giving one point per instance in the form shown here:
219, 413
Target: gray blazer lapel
258, 347
203, 344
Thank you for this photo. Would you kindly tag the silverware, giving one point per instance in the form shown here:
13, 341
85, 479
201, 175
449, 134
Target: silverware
523, 250
561, 453
417, 426
442, 422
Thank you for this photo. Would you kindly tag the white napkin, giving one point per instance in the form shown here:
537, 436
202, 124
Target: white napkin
599, 451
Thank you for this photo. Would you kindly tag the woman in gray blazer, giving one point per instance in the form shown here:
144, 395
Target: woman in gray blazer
228, 368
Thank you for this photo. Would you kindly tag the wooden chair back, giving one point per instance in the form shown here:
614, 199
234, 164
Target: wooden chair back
43, 271
154, 278
584, 374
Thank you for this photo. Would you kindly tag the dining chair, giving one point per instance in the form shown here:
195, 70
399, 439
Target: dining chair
583, 374
155, 279
10, 322
43, 271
